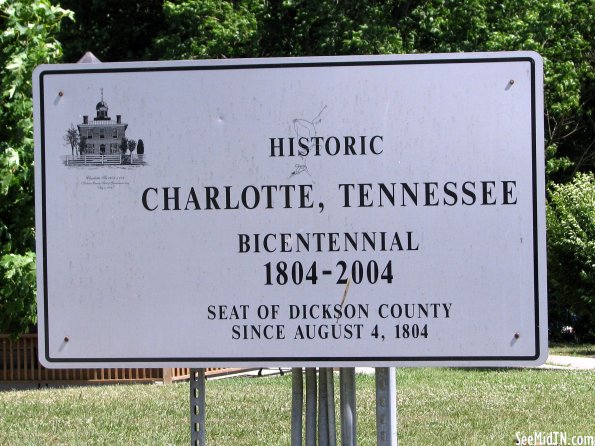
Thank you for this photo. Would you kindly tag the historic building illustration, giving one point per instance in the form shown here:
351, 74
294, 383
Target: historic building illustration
102, 135
101, 140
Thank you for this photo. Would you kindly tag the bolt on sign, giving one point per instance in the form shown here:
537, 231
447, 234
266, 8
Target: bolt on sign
336, 211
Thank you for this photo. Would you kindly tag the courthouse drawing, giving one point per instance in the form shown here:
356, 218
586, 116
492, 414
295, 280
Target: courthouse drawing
101, 140
102, 135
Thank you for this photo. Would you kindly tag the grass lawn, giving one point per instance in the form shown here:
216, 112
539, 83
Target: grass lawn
436, 407
570, 349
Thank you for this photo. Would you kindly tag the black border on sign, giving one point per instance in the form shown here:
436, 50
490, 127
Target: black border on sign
291, 359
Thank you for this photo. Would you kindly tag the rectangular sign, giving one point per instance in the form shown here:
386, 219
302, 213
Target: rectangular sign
336, 211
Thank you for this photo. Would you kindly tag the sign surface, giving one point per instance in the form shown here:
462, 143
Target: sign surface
314, 211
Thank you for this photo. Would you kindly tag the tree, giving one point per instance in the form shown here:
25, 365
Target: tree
71, 138
331, 27
198, 29
571, 257
113, 30
131, 145
141, 147
28, 38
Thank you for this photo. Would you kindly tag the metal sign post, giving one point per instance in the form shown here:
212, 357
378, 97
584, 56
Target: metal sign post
297, 405
348, 411
311, 393
324, 432
323, 421
330, 390
197, 407
386, 406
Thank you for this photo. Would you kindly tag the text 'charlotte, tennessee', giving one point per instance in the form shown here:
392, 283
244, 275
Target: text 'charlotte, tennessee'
464, 192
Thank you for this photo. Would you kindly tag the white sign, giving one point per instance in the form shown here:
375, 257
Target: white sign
333, 211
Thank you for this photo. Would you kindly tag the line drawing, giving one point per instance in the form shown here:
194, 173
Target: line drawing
304, 128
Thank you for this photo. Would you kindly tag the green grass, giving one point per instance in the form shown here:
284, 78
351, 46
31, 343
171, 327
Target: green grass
571, 349
436, 407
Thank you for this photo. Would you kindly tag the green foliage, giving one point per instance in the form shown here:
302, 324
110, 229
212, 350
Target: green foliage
306, 28
27, 40
18, 311
198, 29
571, 256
